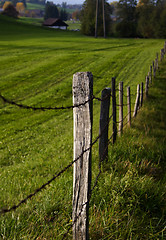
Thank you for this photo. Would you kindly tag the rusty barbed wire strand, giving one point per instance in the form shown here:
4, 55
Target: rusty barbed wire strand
50, 108
131, 94
123, 118
124, 104
44, 108
14, 207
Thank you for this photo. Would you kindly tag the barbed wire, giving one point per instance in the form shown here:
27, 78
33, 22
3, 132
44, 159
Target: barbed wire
124, 118
44, 108
52, 108
131, 94
14, 207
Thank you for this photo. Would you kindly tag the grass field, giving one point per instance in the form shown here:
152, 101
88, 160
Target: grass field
36, 68
32, 21
35, 6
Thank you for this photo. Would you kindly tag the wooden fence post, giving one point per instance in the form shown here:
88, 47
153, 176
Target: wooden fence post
146, 87
120, 108
142, 94
82, 91
129, 106
153, 69
104, 124
157, 59
137, 101
161, 54
150, 74
114, 110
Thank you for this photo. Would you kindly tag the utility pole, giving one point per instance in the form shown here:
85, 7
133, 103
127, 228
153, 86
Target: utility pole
97, 13
103, 2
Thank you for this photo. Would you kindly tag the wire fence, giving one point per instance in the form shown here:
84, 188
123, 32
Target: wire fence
102, 158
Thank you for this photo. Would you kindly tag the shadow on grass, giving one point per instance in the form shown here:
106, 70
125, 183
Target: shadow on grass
151, 120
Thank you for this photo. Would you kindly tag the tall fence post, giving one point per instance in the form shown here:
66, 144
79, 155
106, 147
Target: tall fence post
157, 61
142, 94
114, 110
150, 74
82, 92
153, 69
137, 101
129, 106
146, 87
104, 124
120, 108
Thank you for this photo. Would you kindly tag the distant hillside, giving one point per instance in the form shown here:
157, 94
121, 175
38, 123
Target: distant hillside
31, 6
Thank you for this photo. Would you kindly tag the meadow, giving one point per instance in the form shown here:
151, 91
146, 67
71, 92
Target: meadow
36, 69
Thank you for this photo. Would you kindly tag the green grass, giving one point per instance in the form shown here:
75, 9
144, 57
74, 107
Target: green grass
32, 21
74, 25
32, 6
36, 68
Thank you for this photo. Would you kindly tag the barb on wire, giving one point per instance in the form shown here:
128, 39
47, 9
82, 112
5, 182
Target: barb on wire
14, 207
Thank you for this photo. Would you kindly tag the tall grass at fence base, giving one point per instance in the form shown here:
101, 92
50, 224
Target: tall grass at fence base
130, 198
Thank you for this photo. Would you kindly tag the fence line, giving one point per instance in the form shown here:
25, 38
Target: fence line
103, 131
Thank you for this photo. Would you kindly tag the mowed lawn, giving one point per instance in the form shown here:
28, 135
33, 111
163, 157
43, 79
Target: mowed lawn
36, 69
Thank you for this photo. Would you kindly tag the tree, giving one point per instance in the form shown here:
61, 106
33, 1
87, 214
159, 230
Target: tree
88, 18
6, 4
51, 11
159, 19
63, 15
145, 11
20, 7
76, 14
64, 5
126, 10
14, 2
10, 11
24, 2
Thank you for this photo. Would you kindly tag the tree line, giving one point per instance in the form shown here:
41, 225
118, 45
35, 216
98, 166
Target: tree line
125, 18
52, 11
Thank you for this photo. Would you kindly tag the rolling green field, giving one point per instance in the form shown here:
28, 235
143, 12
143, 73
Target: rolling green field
35, 6
36, 69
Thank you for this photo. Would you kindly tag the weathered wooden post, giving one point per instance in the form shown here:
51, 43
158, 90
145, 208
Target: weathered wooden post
104, 124
153, 69
150, 74
165, 47
129, 106
142, 94
82, 92
120, 108
114, 110
161, 54
137, 101
146, 87
157, 59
